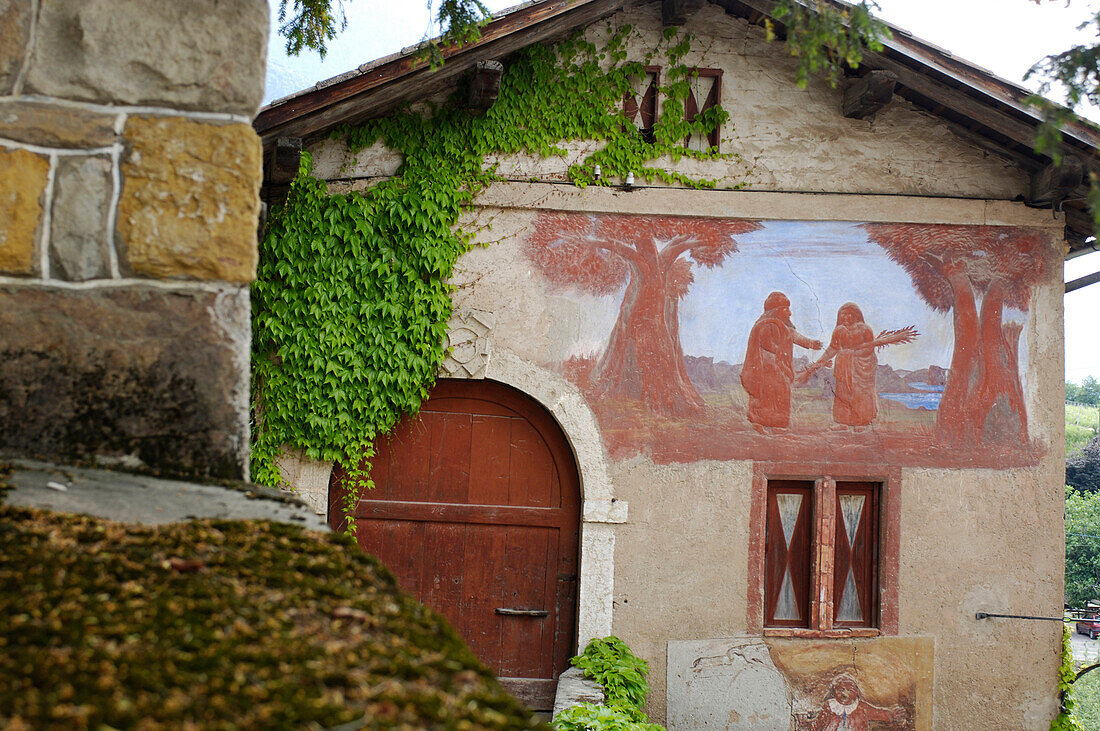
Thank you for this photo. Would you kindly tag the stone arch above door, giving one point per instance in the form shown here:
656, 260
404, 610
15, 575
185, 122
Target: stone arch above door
476, 510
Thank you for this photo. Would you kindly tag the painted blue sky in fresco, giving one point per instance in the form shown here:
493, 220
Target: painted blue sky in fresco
819, 266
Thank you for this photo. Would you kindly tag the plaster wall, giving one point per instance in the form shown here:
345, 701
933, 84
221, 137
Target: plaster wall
970, 539
985, 540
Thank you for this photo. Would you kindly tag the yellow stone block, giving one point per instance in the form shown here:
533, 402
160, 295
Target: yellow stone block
190, 199
23, 177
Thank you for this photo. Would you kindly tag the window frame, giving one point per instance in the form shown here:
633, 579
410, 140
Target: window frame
639, 101
712, 98
824, 478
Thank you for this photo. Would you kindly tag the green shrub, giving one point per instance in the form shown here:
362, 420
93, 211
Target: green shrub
590, 717
621, 673
623, 676
1066, 720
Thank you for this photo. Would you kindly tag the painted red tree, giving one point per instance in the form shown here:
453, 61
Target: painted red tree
652, 256
962, 268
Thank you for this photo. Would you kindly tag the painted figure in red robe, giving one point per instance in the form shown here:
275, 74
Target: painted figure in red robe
845, 710
853, 345
767, 372
855, 402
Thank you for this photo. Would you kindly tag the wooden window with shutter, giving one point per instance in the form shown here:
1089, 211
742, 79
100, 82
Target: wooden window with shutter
640, 105
855, 555
705, 92
788, 540
821, 553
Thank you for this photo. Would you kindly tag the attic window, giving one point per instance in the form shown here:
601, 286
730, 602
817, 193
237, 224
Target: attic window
640, 105
705, 85
704, 92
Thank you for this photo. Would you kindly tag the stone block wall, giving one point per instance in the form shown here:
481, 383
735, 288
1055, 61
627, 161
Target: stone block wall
129, 198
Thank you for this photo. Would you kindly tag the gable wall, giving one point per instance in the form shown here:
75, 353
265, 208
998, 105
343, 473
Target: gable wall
971, 534
789, 139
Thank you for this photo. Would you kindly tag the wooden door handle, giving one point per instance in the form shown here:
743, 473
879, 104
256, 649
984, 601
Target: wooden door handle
522, 612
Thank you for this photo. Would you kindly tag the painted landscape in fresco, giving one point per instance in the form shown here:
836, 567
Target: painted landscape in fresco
702, 338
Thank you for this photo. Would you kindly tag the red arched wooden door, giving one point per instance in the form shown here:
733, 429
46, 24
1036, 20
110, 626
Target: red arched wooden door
476, 509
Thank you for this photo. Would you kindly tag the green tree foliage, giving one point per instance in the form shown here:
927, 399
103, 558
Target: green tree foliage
1082, 547
312, 23
1075, 70
826, 37
462, 20
1087, 393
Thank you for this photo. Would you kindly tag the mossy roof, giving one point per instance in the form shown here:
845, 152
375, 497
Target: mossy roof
222, 624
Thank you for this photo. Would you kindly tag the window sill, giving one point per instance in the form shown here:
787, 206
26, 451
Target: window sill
822, 634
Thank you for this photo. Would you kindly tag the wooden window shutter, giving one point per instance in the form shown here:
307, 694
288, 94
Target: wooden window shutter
705, 92
640, 107
788, 540
855, 572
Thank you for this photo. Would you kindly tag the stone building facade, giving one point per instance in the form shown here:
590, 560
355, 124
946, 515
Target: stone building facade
790, 530
129, 181
718, 488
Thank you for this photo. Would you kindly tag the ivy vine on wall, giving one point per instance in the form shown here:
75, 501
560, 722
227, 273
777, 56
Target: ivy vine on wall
352, 297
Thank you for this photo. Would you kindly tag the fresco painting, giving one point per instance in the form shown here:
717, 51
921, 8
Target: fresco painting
773, 683
643, 359
883, 683
846, 709
728, 339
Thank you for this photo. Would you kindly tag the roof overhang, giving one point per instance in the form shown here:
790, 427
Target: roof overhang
378, 87
984, 109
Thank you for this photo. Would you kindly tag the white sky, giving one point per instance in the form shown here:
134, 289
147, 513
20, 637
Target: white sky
1004, 36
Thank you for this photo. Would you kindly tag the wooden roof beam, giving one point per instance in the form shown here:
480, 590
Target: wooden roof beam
673, 12
938, 93
865, 95
989, 112
1082, 282
676, 12
284, 160
484, 85
1054, 183
378, 89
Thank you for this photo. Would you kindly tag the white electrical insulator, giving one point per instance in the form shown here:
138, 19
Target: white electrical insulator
630, 178
598, 172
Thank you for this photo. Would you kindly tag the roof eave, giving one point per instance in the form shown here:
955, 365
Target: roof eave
378, 87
